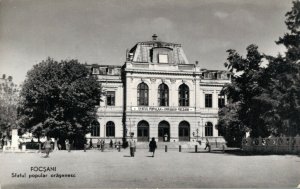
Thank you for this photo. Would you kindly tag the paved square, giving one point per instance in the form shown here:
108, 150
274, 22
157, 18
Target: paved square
112, 169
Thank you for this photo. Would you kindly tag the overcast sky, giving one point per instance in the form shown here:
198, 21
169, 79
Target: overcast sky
100, 31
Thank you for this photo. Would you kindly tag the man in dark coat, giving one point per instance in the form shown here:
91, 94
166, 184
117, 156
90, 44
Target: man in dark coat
152, 146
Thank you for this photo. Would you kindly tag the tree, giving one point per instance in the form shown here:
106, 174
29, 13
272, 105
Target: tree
245, 85
230, 126
58, 100
281, 95
267, 100
291, 40
8, 105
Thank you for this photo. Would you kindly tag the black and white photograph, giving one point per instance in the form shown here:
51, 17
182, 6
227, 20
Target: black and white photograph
149, 94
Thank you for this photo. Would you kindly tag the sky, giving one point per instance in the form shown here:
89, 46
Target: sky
100, 31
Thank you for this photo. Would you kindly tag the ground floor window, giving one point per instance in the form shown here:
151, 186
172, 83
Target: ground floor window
95, 128
208, 129
110, 129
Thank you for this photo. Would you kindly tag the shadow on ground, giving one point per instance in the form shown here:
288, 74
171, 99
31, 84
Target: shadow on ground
240, 152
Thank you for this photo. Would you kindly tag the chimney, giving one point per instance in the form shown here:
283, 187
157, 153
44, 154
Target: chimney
154, 37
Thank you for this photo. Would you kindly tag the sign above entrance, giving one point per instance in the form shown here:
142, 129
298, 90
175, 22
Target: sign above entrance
162, 109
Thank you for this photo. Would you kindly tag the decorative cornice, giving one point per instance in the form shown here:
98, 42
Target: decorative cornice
212, 85
163, 72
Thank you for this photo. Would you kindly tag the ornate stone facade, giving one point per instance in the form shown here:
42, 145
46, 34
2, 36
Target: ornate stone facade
158, 93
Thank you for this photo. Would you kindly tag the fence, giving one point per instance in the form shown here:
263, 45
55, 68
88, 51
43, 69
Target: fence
275, 145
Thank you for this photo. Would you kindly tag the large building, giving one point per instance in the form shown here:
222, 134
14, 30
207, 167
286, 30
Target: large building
158, 93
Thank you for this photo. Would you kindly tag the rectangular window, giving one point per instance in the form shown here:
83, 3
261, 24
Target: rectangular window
96, 71
208, 100
221, 100
110, 98
103, 71
163, 58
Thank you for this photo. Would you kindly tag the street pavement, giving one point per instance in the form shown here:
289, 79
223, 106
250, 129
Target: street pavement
172, 169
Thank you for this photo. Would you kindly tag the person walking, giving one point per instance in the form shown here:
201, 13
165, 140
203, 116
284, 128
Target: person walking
206, 144
132, 146
47, 146
111, 144
68, 147
99, 144
91, 144
102, 145
152, 146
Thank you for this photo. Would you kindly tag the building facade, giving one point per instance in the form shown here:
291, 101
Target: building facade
158, 93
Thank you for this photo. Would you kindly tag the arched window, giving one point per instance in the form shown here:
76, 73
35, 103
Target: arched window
110, 129
184, 95
208, 129
163, 95
142, 94
95, 128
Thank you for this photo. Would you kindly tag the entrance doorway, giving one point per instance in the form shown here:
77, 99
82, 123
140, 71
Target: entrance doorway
143, 131
164, 131
184, 131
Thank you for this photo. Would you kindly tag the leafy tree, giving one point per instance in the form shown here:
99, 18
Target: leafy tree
58, 100
247, 74
281, 94
265, 100
8, 105
229, 125
291, 40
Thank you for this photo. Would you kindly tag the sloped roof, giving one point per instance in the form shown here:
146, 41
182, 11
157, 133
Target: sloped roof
141, 51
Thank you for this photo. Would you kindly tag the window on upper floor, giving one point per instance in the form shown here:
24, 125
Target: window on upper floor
184, 95
142, 94
208, 100
95, 70
102, 71
163, 95
205, 75
109, 71
163, 58
110, 98
221, 100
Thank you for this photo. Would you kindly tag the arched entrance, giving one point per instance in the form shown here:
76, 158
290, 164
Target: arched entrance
184, 131
164, 131
143, 131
